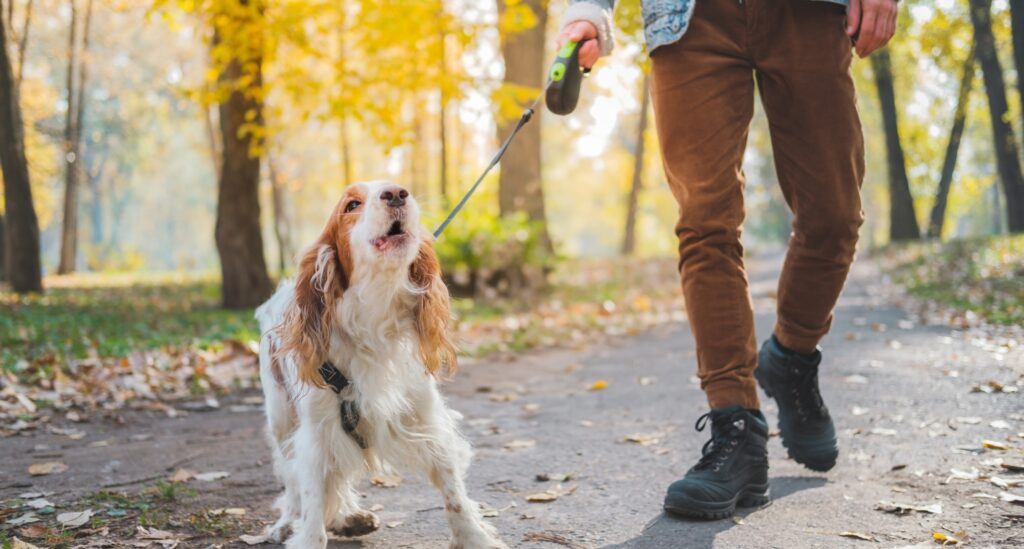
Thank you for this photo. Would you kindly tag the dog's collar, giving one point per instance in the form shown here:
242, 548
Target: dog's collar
349, 411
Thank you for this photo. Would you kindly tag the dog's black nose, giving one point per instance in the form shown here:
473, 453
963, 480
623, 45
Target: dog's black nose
394, 195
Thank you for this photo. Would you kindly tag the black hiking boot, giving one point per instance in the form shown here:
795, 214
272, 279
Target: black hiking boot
732, 471
805, 426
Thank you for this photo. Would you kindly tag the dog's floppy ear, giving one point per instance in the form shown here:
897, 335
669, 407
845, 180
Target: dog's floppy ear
306, 330
433, 313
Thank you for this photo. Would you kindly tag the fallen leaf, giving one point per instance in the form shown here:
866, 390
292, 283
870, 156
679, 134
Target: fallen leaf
18, 544
968, 420
488, 511
39, 503
234, 511
642, 439
855, 379
646, 380
395, 524
519, 444
999, 424
598, 385
950, 539
386, 480
47, 468
27, 518
883, 432
542, 497
1007, 482
182, 475
858, 411
1012, 467
993, 445
857, 535
506, 397
75, 519
1010, 497
34, 531
141, 532
550, 537
907, 508
376, 508
586, 423
253, 540
557, 477
959, 474
212, 476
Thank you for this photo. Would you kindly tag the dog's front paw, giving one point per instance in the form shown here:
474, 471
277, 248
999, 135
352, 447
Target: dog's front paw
316, 540
278, 532
482, 537
356, 524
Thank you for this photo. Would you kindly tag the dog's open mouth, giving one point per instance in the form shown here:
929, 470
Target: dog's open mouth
396, 235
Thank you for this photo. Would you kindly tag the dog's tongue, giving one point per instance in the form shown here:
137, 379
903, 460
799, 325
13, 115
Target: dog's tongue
385, 242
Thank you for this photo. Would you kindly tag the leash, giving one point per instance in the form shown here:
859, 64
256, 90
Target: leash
561, 92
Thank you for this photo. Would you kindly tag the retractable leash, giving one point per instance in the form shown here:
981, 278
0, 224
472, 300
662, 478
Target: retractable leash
561, 95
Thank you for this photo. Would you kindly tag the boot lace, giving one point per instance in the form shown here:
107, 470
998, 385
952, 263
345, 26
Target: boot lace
806, 395
725, 438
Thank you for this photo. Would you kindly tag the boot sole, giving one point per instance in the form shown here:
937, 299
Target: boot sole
819, 462
682, 506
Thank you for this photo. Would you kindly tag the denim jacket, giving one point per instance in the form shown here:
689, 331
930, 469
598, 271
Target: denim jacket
665, 21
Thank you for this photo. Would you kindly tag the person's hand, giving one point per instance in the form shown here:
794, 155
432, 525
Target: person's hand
582, 30
873, 22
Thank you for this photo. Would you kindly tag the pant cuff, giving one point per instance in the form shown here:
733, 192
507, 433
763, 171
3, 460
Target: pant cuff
725, 394
803, 344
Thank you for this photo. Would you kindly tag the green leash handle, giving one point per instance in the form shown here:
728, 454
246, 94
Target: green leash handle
565, 79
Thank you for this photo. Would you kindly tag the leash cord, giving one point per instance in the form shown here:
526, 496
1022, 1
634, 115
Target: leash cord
527, 114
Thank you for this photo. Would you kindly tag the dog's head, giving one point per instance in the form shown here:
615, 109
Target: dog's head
373, 235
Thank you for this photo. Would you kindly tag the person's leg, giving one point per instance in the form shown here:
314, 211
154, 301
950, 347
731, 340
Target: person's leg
703, 93
809, 98
803, 73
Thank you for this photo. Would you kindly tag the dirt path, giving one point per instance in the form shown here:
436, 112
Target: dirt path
901, 394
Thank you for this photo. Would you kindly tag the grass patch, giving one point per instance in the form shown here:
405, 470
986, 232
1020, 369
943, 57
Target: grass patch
110, 317
984, 276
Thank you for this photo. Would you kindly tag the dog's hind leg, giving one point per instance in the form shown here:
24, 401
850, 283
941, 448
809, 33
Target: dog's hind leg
351, 521
287, 504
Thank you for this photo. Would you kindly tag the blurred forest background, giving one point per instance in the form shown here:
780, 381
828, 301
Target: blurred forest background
190, 148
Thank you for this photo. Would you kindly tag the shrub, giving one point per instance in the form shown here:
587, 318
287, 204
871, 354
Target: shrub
484, 255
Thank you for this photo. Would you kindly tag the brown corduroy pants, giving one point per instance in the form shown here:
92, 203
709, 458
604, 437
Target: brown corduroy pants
703, 92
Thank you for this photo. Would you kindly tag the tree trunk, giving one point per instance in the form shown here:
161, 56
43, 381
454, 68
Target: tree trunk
902, 219
629, 239
70, 221
443, 117
952, 149
346, 153
1005, 143
213, 139
1017, 29
23, 41
3, 254
282, 226
520, 187
244, 278
22, 234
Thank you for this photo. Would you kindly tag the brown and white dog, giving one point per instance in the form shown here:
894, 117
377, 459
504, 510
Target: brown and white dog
369, 299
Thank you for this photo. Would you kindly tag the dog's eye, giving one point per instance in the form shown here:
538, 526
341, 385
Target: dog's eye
352, 205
